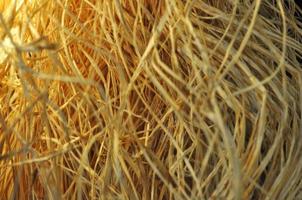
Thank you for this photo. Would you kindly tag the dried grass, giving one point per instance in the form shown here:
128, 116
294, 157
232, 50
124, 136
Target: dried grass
150, 99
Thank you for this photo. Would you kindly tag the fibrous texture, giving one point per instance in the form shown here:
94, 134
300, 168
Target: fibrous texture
150, 99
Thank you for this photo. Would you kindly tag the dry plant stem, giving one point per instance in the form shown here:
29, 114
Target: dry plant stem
150, 99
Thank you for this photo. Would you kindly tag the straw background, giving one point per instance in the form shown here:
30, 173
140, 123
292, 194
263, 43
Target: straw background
150, 99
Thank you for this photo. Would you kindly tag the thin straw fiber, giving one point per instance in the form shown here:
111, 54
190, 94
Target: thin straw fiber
150, 99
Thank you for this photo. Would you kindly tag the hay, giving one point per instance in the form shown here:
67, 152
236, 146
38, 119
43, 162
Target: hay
150, 99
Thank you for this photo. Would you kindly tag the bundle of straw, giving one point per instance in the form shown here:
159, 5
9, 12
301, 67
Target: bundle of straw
150, 99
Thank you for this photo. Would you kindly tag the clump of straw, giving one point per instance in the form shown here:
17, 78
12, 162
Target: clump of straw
150, 99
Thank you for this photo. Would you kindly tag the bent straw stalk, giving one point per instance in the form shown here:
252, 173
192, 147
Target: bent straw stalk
150, 99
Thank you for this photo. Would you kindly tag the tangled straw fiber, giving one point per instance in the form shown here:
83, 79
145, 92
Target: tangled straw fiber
150, 99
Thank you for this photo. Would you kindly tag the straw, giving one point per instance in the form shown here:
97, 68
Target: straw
150, 99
